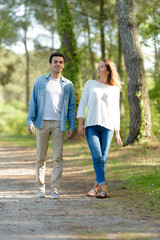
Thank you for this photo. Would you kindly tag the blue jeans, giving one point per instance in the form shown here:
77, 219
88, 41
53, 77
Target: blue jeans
99, 139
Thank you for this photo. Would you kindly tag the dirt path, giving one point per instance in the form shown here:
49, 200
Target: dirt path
74, 216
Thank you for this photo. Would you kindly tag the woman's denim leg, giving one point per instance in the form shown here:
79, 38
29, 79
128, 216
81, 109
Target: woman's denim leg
99, 139
106, 138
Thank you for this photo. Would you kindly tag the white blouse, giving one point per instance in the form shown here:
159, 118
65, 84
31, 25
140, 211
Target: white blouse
102, 102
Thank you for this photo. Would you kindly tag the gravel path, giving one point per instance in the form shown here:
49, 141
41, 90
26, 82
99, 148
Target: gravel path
74, 216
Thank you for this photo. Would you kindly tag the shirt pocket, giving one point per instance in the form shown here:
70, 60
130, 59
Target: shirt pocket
41, 90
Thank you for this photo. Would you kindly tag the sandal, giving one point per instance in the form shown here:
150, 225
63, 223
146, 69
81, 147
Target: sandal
103, 195
92, 193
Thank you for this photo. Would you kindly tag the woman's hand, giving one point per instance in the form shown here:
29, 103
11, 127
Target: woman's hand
81, 129
118, 138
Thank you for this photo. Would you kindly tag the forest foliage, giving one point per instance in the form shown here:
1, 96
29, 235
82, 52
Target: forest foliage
95, 32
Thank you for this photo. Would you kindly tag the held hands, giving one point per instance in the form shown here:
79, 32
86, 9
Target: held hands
31, 129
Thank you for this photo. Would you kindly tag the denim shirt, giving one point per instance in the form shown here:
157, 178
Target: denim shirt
36, 107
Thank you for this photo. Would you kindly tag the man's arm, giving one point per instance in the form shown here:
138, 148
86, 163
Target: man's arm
31, 112
71, 109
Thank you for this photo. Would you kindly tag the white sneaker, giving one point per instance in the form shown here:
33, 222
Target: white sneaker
54, 195
41, 193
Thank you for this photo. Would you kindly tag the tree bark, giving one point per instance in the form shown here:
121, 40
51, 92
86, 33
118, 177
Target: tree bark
102, 28
120, 69
67, 41
27, 58
157, 63
140, 119
90, 49
27, 76
87, 27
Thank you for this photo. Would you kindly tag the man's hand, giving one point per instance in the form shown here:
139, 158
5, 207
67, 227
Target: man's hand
70, 134
31, 129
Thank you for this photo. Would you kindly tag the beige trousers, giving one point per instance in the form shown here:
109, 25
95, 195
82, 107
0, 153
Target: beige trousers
50, 128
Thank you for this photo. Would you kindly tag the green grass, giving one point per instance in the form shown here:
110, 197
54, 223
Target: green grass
22, 141
147, 189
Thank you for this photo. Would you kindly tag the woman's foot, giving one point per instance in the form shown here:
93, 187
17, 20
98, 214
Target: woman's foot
103, 195
94, 191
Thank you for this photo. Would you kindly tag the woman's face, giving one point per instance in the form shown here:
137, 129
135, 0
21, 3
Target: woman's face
102, 70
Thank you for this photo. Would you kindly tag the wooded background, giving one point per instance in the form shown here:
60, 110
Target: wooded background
87, 30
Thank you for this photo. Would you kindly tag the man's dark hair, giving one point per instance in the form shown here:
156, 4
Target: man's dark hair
56, 54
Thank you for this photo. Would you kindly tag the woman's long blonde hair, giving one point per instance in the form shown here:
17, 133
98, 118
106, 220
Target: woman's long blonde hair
113, 77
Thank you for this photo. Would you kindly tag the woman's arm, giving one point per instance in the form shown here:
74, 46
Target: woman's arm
81, 129
118, 138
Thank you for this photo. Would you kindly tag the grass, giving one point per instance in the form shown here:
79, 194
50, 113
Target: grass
22, 141
147, 189
133, 172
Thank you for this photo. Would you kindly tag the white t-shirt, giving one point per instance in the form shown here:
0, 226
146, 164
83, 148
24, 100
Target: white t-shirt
103, 105
53, 100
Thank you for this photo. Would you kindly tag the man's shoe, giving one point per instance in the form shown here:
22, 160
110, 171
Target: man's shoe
41, 193
54, 195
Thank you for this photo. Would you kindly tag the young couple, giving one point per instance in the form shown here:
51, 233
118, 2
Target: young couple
53, 104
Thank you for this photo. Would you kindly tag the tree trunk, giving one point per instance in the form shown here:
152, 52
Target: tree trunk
120, 69
68, 42
27, 76
140, 119
157, 63
102, 28
90, 49
27, 59
66, 36
68, 45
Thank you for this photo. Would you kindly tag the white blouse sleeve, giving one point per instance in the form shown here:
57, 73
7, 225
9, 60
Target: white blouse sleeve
83, 102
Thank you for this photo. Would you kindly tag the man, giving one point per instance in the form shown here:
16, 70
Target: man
52, 104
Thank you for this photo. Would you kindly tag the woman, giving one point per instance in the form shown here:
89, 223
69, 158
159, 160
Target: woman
101, 97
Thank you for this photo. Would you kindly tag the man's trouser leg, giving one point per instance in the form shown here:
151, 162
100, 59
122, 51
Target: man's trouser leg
42, 136
57, 141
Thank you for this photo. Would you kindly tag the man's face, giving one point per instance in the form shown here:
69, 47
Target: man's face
57, 64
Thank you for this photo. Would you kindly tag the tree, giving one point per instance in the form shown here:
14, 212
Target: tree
101, 20
7, 36
68, 42
120, 68
68, 45
47, 19
21, 23
25, 28
150, 29
8, 33
140, 119
86, 27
